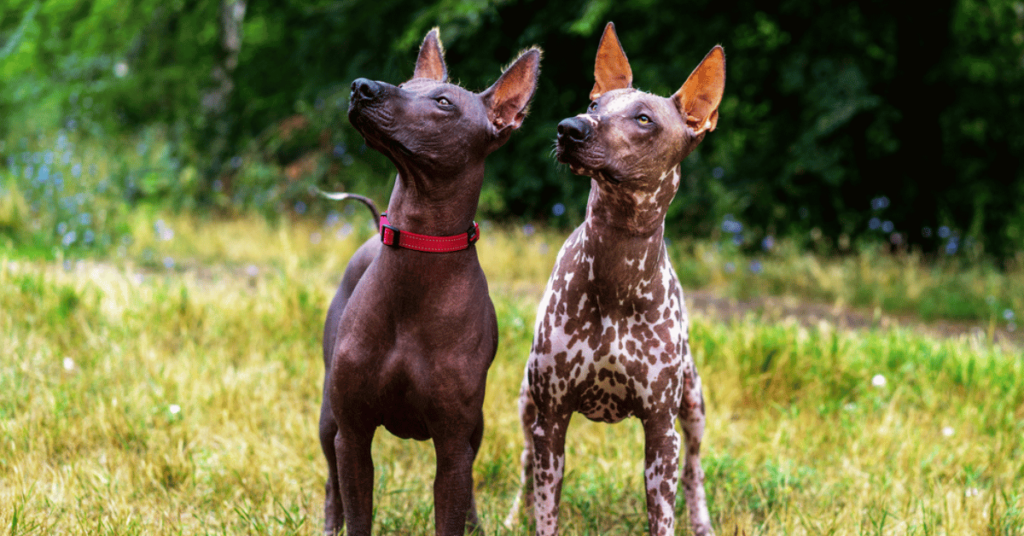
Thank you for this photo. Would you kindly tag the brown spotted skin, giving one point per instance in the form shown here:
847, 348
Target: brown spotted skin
410, 335
611, 338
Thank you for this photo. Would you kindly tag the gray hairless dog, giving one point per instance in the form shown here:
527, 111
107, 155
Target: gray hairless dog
411, 332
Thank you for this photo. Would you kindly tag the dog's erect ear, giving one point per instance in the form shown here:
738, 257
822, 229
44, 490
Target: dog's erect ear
430, 63
611, 69
509, 97
700, 96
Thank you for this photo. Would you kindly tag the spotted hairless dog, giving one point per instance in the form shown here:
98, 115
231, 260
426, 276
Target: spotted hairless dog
411, 332
611, 339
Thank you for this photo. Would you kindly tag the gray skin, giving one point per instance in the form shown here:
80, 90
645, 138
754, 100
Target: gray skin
409, 335
612, 333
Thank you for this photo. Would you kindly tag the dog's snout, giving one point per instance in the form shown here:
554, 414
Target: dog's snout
364, 90
574, 129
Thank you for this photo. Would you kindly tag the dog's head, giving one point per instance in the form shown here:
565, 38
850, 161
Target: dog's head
629, 135
431, 123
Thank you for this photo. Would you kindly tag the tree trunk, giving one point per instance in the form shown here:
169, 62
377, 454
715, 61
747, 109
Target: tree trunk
216, 101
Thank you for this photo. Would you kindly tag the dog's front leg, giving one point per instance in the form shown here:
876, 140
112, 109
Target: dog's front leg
523, 504
355, 467
548, 467
454, 509
661, 466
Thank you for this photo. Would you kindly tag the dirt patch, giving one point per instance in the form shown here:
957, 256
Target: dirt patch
774, 309
702, 302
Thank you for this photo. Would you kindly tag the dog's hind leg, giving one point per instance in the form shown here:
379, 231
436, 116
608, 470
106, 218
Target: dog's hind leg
334, 512
692, 419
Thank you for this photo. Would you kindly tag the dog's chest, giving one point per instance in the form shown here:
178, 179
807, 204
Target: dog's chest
610, 348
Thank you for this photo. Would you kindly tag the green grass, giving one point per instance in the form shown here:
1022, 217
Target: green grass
906, 283
140, 396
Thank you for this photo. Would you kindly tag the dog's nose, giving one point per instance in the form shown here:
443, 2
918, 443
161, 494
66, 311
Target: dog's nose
364, 90
575, 129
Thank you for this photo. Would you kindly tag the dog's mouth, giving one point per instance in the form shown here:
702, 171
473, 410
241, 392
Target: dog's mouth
359, 114
582, 162
367, 120
570, 153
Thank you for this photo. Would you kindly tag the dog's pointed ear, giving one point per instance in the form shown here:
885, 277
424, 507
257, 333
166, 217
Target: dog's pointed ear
430, 63
508, 99
701, 94
611, 69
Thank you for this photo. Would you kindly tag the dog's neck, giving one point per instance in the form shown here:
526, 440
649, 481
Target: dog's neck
633, 209
629, 220
433, 205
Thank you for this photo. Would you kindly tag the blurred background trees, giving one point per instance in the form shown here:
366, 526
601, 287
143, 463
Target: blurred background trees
843, 122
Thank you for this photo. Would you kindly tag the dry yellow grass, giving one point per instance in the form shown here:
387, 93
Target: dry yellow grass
136, 399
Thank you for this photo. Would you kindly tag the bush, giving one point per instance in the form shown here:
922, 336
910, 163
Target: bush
827, 128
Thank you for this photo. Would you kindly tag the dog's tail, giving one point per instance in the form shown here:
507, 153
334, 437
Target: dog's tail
341, 196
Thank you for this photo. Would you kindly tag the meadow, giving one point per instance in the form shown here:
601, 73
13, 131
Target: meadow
163, 288
171, 385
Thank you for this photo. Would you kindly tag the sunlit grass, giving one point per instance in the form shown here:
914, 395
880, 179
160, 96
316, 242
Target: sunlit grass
67, 195
144, 397
908, 283
904, 283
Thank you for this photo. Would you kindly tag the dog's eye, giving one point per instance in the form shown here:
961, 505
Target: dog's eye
443, 101
593, 106
643, 119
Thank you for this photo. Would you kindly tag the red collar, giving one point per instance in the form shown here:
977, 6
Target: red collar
391, 236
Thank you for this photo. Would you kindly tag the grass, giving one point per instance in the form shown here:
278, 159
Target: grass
67, 194
173, 387
905, 283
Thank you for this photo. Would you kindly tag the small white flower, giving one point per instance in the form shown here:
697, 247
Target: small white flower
947, 431
163, 231
69, 364
120, 69
878, 381
174, 409
972, 492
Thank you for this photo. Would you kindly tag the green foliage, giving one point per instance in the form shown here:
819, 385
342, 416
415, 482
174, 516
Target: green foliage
68, 193
858, 121
99, 66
